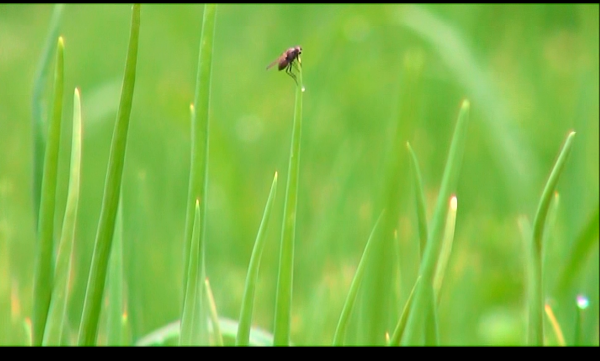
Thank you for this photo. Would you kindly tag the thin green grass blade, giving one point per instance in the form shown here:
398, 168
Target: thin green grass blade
191, 315
115, 307
378, 299
56, 327
243, 333
401, 325
446, 248
434, 239
38, 106
198, 181
419, 201
583, 245
432, 335
536, 300
112, 191
342, 326
283, 301
214, 317
44, 266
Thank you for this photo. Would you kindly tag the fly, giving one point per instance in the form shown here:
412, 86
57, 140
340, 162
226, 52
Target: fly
287, 59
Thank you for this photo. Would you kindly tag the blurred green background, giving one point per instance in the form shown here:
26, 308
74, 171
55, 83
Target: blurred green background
531, 73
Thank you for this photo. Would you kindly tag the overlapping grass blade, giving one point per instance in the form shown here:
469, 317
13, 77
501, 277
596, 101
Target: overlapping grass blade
446, 248
342, 325
214, 316
115, 327
198, 181
401, 325
56, 327
434, 240
536, 292
419, 201
243, 332
283, 301
44, 265
37, 108
112, 190
192, 320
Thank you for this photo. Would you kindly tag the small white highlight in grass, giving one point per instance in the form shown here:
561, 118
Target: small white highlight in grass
303, 89
453, 203
582, 302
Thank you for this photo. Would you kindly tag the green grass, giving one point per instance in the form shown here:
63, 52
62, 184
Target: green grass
245, 321
103, 250
283, 302
44, 266
536, 302
98, 269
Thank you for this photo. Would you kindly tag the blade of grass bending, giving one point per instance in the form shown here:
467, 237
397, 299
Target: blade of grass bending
169, 334
112, 189
214, 317
55, 333
115, 285
44, 266
401, 325
419, 201
283, 300
558, 334
446, 248
536, 300
198, 180
434, 238
191, 317
243, 332
583, 245
342, 326
37, 108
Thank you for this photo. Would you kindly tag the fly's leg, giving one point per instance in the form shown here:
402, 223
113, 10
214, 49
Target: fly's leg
288, 71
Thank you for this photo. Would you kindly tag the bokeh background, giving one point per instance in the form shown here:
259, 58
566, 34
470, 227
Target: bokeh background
530, 72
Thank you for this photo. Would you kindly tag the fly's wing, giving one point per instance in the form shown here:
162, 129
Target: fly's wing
273, 63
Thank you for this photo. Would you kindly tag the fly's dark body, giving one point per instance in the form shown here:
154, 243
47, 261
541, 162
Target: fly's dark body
286, 61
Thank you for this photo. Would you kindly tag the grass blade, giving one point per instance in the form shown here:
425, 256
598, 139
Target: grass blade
536, 301
112, 190
56, 326
446, 248
191, 317
200, 134
342, 325
243, 332
283, 301
214, 317
434, 239
39, 122
44, 266
401, 325
419, 201
558, 334
115, 307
